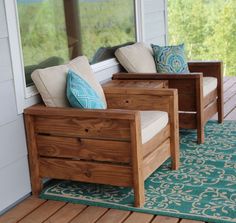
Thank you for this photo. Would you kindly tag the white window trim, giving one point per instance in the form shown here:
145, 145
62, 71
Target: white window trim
24, 94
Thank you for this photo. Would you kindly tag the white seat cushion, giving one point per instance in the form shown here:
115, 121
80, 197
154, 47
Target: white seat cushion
51, 81
209, 84
136, 58
152, 122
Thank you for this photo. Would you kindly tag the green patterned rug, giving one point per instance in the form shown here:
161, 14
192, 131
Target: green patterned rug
204, 188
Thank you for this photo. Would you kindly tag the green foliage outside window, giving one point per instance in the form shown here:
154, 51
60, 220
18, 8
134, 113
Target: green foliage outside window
44, 37
208, 29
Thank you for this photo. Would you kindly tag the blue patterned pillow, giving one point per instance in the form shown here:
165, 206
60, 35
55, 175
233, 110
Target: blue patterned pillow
170, 59
80, 94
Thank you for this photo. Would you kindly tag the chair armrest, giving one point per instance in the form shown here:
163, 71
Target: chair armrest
154, 76
83, 124
42, 110
208, 68
189, 86
132, 98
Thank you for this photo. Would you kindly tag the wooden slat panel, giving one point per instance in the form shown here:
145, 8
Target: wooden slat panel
139, 217
165, 219
187, 102
156, 158
43, 212
231, 115
21, 210
87, 149
229, 105
89, 215
136, 83
83, 128
210, 111
86, 171
145, 102
66, 214
187, 120
157, 140
184, 86
114, 216
42, 110
210, 97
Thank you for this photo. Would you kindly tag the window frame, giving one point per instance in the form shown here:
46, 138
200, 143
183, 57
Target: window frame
26, 96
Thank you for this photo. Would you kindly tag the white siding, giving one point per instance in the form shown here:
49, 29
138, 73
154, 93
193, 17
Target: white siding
14, 173
15, 184
154, 21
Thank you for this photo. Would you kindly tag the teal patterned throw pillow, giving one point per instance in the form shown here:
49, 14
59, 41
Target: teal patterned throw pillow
170, 59
80, 94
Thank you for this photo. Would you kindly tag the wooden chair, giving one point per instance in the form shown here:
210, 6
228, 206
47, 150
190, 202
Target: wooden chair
200, 93
120, 145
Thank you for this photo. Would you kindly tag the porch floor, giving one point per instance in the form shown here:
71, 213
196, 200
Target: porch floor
35, 210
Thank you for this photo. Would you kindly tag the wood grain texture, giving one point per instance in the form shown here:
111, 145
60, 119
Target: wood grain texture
152, 161
114, 216
92, 172
156, 141
97, 128
136, 217
21, 210
86, 149
89, 215
174, 132
137, 161
77, 213
42, 110
43, 212
135, 102
66, 213
158, 84
33, 154
165, 219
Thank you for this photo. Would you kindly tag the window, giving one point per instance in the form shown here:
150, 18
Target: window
207, 28
55, 31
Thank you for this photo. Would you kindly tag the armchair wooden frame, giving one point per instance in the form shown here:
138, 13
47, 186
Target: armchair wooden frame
194, 109
102, 146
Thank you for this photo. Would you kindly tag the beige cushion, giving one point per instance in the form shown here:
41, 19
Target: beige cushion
51, 82
136, 58
152, 122
209, 84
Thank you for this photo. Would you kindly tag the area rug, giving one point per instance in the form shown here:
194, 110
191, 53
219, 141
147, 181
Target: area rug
204, 188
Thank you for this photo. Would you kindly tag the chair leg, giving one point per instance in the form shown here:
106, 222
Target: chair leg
139, 195
220, 109
200, 134
174, 149
36, 184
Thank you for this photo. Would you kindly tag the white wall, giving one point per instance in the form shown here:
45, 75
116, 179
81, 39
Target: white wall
14, 174
154, 21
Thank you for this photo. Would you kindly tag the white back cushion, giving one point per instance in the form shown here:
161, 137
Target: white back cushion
51, 82
136, 58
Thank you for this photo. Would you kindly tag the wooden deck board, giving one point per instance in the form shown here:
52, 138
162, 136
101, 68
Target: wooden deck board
36, 210
21, 210
229, 99
165, 219
114, 216
66, 213
136, 217
90, 215
43, 212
